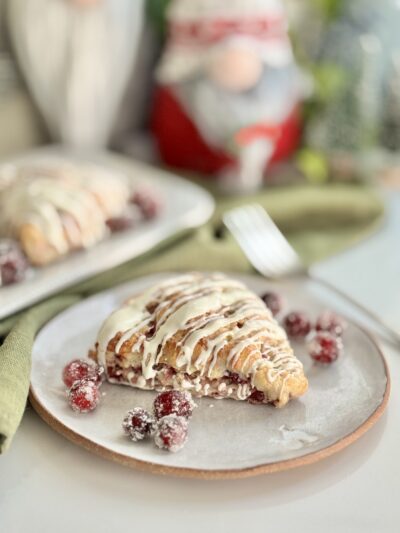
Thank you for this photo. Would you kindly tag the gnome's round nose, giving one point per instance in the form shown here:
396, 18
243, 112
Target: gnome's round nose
236, 69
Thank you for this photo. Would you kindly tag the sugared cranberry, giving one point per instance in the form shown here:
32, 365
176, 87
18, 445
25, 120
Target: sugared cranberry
325, 347
138, 424
81, 369
148, 204
171, 433
274, 301
297, 324
331, 322
13, 264
256, 397
122, 223
83, 396
174, 402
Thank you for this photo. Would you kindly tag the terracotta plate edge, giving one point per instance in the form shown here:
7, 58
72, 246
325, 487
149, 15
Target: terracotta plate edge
267, 468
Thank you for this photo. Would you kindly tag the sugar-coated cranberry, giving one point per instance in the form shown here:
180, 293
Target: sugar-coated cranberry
297, 324
147, 202
274, 301
171, 433
138, 424
256, 397
81, 369
13, 263
122, 223
331, 322
325, 347
83, 396
174, 402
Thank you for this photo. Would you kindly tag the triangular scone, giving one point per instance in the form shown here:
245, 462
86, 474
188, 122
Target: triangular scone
56, 207
206, 334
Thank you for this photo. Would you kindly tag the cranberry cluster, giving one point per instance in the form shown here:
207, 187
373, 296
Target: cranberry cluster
13, 263
83, 379
171, 410
145, 205
169, 424
325, 344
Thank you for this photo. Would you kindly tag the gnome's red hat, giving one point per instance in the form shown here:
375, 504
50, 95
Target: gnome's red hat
197, 26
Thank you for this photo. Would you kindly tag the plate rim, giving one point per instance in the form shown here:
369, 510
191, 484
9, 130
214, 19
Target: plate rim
33, 289
214, 474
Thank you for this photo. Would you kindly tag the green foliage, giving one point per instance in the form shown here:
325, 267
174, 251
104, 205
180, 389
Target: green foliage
329, 80
330, 9
313, 165
156, 12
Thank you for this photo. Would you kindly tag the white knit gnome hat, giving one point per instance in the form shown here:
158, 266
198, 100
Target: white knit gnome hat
197, 27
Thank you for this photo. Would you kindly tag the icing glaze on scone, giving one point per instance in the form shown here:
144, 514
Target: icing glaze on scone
201, 330
56, 207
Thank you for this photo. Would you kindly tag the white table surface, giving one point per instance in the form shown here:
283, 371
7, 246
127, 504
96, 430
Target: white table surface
48, 484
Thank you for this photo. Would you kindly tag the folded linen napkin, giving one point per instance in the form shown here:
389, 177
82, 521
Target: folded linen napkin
318, 220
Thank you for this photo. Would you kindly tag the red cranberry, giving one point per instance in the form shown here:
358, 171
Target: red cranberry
236, 379
331, 322
83, 396
256, 397
173, 402
297, 324
122, 223
138, 424
81, 369
114, 373
325, 347
171, 433
274, 301
13, 264
147, 203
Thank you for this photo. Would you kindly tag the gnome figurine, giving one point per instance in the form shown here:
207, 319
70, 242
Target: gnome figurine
77, 57
228, 90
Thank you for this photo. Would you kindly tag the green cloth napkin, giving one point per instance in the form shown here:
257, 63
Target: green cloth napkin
318, 220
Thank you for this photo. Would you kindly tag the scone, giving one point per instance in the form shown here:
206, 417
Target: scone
209, 335
53, 208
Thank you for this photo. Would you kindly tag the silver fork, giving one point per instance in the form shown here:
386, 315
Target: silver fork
272, 256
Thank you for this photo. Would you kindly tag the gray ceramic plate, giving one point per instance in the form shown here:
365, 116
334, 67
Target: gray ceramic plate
227, 438
186, 206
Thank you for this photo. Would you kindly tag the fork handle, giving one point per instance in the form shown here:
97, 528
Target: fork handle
392, 334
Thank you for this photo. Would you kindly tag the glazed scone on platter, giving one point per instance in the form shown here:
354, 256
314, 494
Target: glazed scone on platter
207, 334
53, 208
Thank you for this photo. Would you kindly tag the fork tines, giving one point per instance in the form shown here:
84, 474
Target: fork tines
262, 241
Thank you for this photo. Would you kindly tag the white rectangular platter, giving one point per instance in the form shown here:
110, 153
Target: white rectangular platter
185, 206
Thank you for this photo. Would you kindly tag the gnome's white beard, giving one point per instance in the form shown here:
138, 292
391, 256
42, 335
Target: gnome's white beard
76, 61
220, 114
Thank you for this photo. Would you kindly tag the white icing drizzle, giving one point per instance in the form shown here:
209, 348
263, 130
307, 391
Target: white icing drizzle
65, 202
211, 309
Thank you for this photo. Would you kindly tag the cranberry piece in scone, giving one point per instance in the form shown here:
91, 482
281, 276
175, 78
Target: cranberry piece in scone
174, 402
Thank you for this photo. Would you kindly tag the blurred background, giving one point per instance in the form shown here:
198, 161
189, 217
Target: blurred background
245, 92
